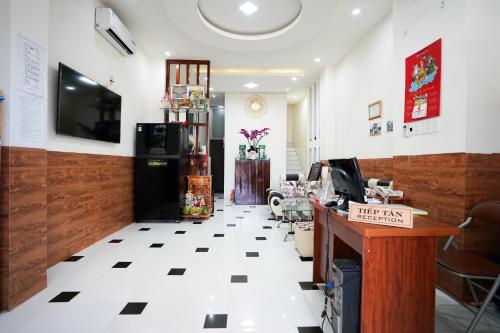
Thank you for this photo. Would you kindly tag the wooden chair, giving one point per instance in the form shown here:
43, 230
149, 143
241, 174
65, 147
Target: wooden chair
473, 267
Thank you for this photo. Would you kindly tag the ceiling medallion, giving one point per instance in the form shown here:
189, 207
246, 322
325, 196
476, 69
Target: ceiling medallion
269, 24
255, 106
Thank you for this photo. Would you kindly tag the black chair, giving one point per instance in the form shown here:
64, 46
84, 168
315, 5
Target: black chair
471, 266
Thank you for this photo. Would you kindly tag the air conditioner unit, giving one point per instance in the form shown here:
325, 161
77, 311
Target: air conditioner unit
110, 26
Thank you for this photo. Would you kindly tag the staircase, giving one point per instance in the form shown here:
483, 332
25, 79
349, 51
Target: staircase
293, 164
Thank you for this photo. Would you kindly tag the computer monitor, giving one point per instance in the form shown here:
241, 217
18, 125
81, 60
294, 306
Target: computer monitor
347, 181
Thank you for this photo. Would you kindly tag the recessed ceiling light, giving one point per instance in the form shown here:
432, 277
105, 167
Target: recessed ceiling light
206, 78
167, 54
213, 96
248, 8
287, 89
356, 11
294, 78
211, 89
251, 85
317, 60
295, 97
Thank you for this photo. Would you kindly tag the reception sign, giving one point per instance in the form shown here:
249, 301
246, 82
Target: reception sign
423, 84
401, 217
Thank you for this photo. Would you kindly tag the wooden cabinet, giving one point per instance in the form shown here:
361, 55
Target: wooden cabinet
252, 178
201, 185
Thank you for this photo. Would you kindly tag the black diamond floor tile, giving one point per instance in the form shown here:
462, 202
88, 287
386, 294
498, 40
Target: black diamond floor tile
133, 308
261, 238
64, 297
308, 286
240, 217
218, 235
177, 271
310, 329
220, 210
197, 222
157, 245
267, 227
247, 211
116, 241
73, 258
252, 254
180, 232
239, 279
251, 207
144, 229
202, 249
305, 258
122, 264
231, 225
215, 321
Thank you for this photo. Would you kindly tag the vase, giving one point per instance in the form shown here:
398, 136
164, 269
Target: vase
252, 155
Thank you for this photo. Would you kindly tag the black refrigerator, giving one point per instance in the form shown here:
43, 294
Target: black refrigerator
160, 172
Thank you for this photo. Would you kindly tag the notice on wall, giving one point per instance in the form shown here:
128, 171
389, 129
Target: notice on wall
28, 116
423, 84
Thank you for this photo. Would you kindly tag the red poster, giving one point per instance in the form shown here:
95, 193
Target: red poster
423, 83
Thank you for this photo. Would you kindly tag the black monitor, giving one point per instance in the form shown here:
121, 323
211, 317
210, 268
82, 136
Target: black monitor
347, 181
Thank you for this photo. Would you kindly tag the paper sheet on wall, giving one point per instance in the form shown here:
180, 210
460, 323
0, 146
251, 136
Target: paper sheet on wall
28, 116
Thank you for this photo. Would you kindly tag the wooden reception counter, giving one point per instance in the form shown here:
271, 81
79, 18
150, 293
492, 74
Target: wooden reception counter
398, 268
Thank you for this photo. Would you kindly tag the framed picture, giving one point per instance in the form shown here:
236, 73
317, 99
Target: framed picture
375, 129
179, 91
375, 110
196, 92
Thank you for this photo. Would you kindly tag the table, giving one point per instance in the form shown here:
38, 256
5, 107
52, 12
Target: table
300, 206
398, 268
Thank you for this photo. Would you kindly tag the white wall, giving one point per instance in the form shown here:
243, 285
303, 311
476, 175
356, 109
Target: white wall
299, 119
483, 75
364, 76
74, 41
29, 19
417, 24
236, 119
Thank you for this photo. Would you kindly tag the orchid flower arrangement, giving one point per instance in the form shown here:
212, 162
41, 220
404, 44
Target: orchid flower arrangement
255, 136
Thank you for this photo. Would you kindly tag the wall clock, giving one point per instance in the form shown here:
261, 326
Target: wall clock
255, 106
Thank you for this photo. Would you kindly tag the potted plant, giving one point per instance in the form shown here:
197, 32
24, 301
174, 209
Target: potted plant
253, 138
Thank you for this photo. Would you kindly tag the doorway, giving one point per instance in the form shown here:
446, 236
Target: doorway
217, 112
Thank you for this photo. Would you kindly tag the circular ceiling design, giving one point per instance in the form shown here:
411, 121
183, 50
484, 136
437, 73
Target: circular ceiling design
270, 19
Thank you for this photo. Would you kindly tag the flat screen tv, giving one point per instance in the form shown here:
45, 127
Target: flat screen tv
85, 109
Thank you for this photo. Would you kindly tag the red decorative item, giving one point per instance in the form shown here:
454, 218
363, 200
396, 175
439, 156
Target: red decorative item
423, 84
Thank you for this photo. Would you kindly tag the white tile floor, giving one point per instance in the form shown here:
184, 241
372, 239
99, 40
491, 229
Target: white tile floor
271, 301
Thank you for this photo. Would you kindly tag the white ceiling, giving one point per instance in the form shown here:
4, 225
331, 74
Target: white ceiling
326, 29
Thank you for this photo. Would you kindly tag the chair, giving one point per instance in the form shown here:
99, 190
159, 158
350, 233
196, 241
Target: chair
473, 267
293, 186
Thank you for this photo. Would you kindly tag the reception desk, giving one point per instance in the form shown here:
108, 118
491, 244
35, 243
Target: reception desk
252, 178
398, 268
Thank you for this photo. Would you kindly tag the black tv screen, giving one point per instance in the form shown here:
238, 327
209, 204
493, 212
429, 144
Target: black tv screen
85, 109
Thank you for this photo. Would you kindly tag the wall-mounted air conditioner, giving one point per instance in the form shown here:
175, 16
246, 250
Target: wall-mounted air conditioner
110, 26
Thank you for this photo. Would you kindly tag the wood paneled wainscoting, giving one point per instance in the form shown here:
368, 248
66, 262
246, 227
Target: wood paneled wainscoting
52, 205
447, 186
88, 198
23, 218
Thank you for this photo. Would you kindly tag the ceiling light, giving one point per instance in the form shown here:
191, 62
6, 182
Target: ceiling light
167, 54
248, 8
294, 78
213, 96
287, 89
317, 60
295, 97
87, 81
211, 89
206, 78
251, 85
356, 11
